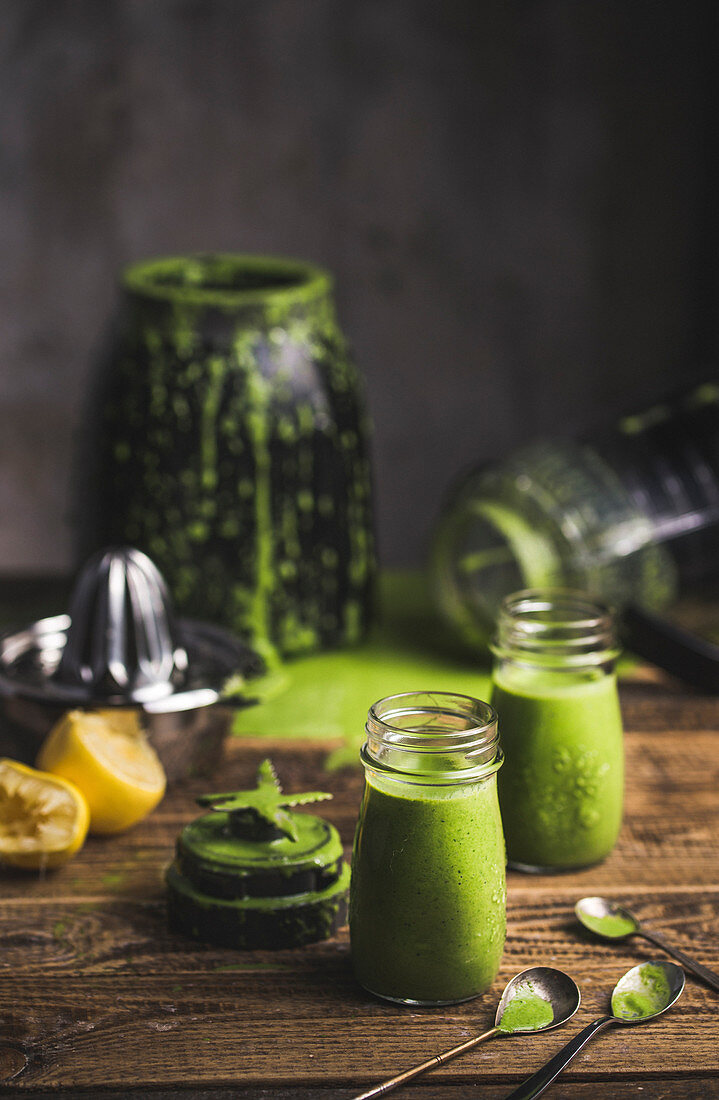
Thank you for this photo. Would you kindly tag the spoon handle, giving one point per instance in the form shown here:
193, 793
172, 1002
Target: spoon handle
702, 972
400, 1079
538, 1082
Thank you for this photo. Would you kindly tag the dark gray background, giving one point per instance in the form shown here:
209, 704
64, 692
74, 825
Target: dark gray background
517, 200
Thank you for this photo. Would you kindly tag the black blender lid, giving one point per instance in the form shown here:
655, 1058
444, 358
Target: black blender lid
671, 647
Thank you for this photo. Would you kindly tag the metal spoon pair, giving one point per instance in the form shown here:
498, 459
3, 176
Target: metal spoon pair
644, 992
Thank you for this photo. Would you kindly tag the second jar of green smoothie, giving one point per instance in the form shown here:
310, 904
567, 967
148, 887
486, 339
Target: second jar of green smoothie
555, 691
427, 896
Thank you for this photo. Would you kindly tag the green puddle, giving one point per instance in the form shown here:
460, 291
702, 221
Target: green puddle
327, 696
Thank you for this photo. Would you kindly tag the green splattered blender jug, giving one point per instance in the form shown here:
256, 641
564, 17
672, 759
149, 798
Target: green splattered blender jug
629, 516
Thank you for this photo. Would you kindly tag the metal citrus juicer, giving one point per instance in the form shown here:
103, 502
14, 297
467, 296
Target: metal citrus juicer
121, 646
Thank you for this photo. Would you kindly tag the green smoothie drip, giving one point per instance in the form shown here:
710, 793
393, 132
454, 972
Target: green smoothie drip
527, 1011
233, 449
257, 391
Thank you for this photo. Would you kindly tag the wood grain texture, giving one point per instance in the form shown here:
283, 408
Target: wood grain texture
104, 1000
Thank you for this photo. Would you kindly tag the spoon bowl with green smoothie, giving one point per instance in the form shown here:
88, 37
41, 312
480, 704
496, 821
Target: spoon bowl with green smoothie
534, 1000
613, 922
646, 991
642, 994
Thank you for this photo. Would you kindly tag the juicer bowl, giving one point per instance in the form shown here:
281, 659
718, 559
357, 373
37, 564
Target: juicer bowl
121, 647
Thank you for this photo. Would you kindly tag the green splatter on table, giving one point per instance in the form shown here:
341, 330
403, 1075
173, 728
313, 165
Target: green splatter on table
327, 695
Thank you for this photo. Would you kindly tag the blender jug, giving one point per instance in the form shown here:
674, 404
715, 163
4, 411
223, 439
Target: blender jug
630, 515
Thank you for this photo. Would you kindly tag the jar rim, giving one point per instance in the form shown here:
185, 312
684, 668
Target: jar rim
555, 627
225, 279
436, 702
458, 743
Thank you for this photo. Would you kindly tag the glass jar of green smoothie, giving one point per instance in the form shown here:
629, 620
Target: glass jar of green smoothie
555, 691
427, 895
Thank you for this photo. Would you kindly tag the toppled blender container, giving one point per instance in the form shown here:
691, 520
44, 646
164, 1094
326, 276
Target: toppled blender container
630, 516
121, 646
251, 873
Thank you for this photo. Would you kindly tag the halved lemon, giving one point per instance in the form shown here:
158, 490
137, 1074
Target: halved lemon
43, 818
109, 758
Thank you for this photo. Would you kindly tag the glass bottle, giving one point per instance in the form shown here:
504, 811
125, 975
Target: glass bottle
427, 895
555, 691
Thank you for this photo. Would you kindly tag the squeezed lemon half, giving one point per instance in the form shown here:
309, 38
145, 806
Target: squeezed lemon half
43, 818
107, 755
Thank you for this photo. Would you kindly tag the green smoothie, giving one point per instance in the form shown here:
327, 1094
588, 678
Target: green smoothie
561, 786
427, 898
612, 926
527, 1011
642, 992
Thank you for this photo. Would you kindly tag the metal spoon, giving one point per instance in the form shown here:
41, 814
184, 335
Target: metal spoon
643, 993
614, 922
550, 990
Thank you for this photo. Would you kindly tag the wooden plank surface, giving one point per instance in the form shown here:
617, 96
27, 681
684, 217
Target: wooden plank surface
103, 999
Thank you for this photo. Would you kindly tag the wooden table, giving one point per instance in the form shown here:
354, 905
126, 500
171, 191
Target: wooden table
105, 1001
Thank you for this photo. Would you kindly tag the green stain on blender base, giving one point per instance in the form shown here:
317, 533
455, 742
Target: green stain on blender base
257, 874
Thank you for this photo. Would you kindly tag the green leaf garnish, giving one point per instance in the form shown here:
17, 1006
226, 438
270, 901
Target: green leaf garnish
265, 803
